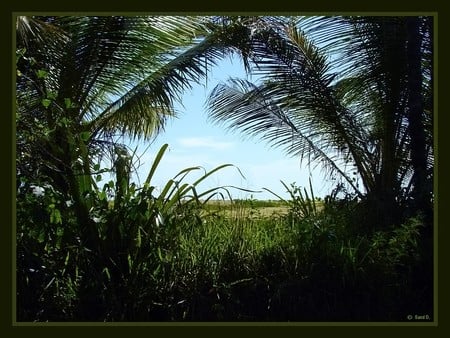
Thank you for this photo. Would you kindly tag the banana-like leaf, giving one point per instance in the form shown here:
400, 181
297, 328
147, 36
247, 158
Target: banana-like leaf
155, 164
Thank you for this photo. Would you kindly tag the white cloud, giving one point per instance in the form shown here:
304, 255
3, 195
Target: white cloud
204, 142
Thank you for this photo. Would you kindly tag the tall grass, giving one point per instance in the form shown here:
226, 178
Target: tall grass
173, 257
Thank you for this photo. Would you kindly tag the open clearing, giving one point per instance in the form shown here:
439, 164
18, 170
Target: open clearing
253, 209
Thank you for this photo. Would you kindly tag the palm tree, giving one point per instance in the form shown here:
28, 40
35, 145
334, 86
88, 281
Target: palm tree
85, 76
111, 75
84, 81
419, 32
360, 112
90, 79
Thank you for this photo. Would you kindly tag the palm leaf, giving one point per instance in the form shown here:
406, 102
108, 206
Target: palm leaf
295, 106
151, 99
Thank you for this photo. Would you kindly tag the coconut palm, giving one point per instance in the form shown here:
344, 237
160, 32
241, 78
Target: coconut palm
112, 75
361, 111
87, 80
84, 81
81, 82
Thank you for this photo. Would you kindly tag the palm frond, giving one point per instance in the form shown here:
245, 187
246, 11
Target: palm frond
173, 73
295, 97
106, 57
155, 94
243, 106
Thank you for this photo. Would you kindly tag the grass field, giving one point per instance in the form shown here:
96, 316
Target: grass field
222, 261
247, 208
175, 257
252, 208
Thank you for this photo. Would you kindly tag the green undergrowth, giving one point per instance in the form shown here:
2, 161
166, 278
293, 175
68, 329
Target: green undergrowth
175, 257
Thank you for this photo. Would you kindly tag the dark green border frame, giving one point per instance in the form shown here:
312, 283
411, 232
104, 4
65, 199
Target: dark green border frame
385, 7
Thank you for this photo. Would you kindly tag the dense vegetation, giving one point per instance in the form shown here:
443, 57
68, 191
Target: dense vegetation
122, 252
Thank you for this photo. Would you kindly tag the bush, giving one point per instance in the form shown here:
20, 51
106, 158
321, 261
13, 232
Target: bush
173, 257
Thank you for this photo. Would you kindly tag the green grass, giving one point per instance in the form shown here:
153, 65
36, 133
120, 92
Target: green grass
230, 264
246, 208
182, 256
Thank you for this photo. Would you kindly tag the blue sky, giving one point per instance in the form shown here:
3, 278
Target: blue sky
195, 141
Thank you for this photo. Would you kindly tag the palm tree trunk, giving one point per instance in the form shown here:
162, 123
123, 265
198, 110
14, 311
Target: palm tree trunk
388, 183
77, 176
415, 117
387, 187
